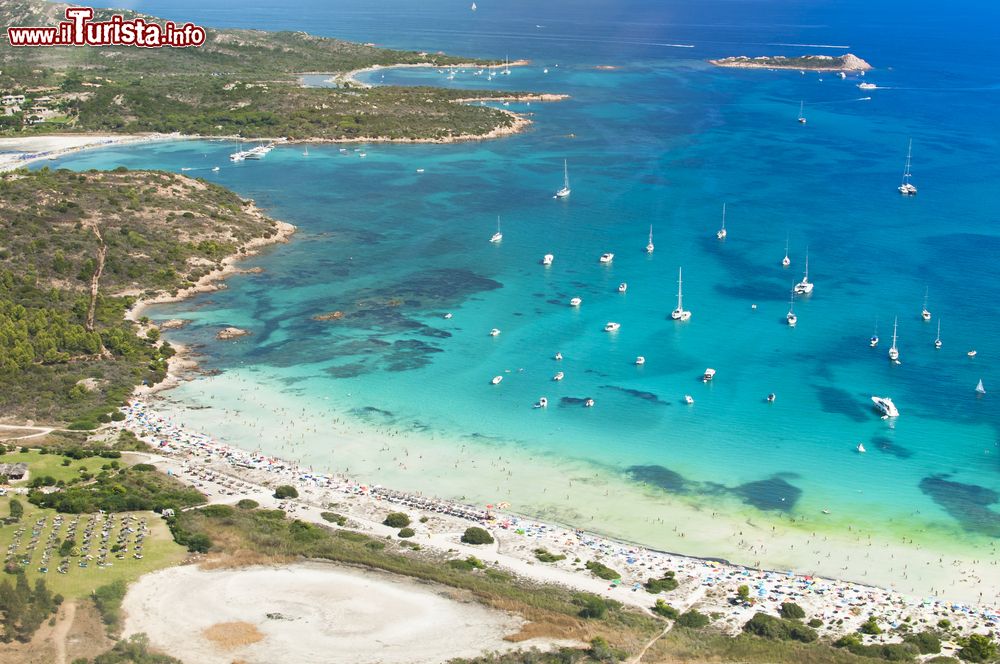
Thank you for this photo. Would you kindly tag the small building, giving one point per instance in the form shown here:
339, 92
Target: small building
14, 471
10, 100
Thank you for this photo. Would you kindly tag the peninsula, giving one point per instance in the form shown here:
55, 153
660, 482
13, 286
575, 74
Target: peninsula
846, 62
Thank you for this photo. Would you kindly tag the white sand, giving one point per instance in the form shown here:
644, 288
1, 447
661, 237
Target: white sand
328, 614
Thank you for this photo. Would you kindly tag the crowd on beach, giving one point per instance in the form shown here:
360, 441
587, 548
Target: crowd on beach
711, 586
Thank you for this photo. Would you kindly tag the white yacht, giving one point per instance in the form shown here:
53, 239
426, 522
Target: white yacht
937, 341
708, 375
905, 188
447, 316
497, 380
495, 332
867, 86
972, 353
802, 118
547, 259
558, 356
559, 376
925, 312
679, 313
564, 192
885, 406
588, 403
542, 402
874, 340
805, 287
575, 302
612, 326
215, 169
607, 258
721, 234
979, 387
498, 236
771, 397
893, 350
649, 245
688, 400
639, 361
786, 261
622, 287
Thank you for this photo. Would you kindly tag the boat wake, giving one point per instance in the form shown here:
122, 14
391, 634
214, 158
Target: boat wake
812, 45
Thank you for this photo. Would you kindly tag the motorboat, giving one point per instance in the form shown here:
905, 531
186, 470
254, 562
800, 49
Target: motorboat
688, 400
547, 259
589, 403
640, 360
575, 302
867, 86
542, 402
607, 258
679, 313
622, 287
885, 406
612, 326
771, 397
558, 357
495, 332
708, 375
447, 316
215, 169
971, 353
559, 376
497, 380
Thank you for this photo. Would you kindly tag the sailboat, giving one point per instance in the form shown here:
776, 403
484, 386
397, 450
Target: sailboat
979, 388
305, 153
498, 235
874, 340
722, 231
649, 246
937, 342
679, 313
925, 314
906, 188
506, 66
564, 192
802, 118
786, 261
805, 287
473, 8
790, 317
893, 351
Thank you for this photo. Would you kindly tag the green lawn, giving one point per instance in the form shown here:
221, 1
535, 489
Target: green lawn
159, 549
52, 464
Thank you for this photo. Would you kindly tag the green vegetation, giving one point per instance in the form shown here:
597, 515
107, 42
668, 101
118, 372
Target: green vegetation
397, 520
286, 491
67, 355
108, 600
333, 517
468, 564
121, 490
870, 626
602, 571
661, 608
544, 556
664, 584
779, 629
248, 504
791, 611
978, 648
693, 620
406, 532
927, 643
476, 535
23, 609
814, 62
133, 650
239, 82
687, 646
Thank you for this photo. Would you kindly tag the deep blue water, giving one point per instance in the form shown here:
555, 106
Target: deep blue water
664, 139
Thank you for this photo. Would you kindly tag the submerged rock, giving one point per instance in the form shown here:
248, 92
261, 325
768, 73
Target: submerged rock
231, 333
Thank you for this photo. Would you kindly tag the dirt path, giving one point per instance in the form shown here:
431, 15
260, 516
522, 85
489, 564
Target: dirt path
62, 629
39, 431
95, 280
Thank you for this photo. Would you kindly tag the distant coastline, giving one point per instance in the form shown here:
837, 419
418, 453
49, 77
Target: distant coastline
846, 62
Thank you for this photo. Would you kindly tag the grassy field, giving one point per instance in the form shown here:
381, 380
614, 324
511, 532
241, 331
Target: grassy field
51, 464
159, 550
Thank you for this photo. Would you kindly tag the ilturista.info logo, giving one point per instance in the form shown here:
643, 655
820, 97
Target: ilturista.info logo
79, 29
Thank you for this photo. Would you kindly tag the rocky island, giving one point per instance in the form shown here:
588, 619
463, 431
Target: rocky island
846, 62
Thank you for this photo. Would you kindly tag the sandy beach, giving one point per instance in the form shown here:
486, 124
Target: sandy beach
23, 151
311, 612
227, 474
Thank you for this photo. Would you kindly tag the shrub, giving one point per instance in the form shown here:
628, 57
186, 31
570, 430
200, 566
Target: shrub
467, 565
286, 491
815, 622
665, 584
144, 467
978, 648
333, 517
661, 608
544, 556
603, 651
16, 509
779, 629
407, 532
248, 504
424, 519
870, 626
476, 535
397, 520
693, 620
108, 600
591, 606
926, 642
602, 571
791, 611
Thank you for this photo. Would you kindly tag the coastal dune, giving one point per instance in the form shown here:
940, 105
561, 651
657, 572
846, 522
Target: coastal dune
310, 612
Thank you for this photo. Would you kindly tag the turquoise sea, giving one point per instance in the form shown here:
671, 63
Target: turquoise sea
664, 139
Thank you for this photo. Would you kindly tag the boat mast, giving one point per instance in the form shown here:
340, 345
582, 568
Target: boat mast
680, 296
565, 174
906, 169
895, 322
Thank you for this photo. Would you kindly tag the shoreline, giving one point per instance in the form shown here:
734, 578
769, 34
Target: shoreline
351, 76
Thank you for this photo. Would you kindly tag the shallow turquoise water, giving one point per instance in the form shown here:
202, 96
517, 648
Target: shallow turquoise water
664, 140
